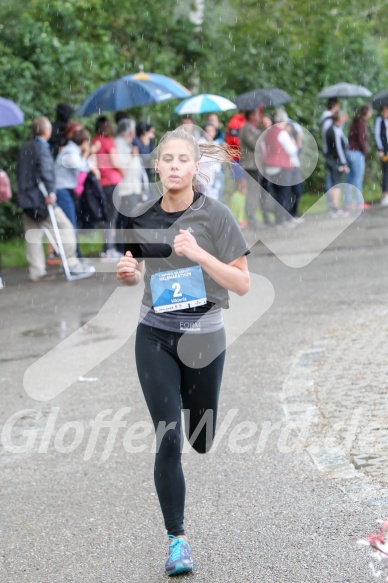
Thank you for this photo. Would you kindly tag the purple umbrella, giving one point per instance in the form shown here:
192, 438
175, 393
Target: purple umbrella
10, 113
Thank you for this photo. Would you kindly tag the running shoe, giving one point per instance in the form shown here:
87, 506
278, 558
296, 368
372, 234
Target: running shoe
53, 259
179, 560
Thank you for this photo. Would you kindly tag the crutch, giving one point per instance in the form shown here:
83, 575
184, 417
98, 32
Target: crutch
57, 242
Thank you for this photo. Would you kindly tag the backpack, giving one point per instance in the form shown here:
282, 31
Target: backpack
91, 204
5, 187
233, 131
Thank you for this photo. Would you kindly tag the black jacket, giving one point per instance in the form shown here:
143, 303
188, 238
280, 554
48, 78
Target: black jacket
35, 164
332, 153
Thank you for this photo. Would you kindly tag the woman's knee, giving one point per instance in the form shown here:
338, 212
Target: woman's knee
168, 440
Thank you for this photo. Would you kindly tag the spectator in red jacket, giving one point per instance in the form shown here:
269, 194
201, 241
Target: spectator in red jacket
280, 148
103, 145
232, 138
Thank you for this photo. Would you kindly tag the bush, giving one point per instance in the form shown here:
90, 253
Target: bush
11, 224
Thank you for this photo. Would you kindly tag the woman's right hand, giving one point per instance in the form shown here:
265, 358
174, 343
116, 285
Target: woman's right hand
127, 270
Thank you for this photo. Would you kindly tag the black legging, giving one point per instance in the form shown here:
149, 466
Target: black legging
168, 386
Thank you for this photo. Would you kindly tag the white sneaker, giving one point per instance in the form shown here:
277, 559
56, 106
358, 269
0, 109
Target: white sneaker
82, 268
384, 201
111, 254
337, 213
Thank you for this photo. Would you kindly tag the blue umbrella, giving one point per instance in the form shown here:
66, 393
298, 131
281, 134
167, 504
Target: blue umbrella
204, 103
132, 91
10, 113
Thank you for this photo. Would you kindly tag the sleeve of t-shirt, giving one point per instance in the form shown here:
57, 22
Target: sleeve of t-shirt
378, 139
228, 239
134, 248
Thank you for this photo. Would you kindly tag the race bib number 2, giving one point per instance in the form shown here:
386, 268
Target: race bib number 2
178, 289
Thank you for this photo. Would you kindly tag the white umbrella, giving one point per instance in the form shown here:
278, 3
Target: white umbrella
344, 90
204, 103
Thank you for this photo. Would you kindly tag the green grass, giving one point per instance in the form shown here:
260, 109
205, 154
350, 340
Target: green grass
13, 252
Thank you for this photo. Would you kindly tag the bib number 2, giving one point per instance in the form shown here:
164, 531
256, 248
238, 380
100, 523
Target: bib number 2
177, 290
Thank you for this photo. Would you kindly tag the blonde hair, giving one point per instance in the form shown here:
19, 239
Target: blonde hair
223, 153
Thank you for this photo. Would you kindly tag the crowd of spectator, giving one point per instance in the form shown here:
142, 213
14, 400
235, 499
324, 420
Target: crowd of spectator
100, 180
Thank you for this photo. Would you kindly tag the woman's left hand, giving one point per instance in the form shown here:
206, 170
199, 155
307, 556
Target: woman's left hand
186, 245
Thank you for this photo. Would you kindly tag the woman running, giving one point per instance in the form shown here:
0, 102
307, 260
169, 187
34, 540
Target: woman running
186, 286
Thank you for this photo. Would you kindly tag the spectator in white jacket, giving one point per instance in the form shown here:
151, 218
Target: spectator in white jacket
135, 181
71, 160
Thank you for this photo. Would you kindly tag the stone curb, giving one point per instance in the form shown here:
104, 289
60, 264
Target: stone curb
301, 407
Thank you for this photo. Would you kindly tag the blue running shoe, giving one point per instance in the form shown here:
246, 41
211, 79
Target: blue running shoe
179, 560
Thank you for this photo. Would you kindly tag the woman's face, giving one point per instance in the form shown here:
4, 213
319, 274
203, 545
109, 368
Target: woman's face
213, 119
211, 131
266, 122
176, 164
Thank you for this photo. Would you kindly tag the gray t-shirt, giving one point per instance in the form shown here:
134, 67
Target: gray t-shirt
210, 222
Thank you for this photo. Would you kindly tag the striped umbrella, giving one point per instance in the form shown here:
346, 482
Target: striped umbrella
204, 103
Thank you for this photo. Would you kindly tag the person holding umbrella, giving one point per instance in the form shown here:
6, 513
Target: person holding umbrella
381, 137
186, 285
325, 122
249, 135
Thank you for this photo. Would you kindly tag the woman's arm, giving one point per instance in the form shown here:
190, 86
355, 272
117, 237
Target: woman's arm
233, 276
289, 144
114, 160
